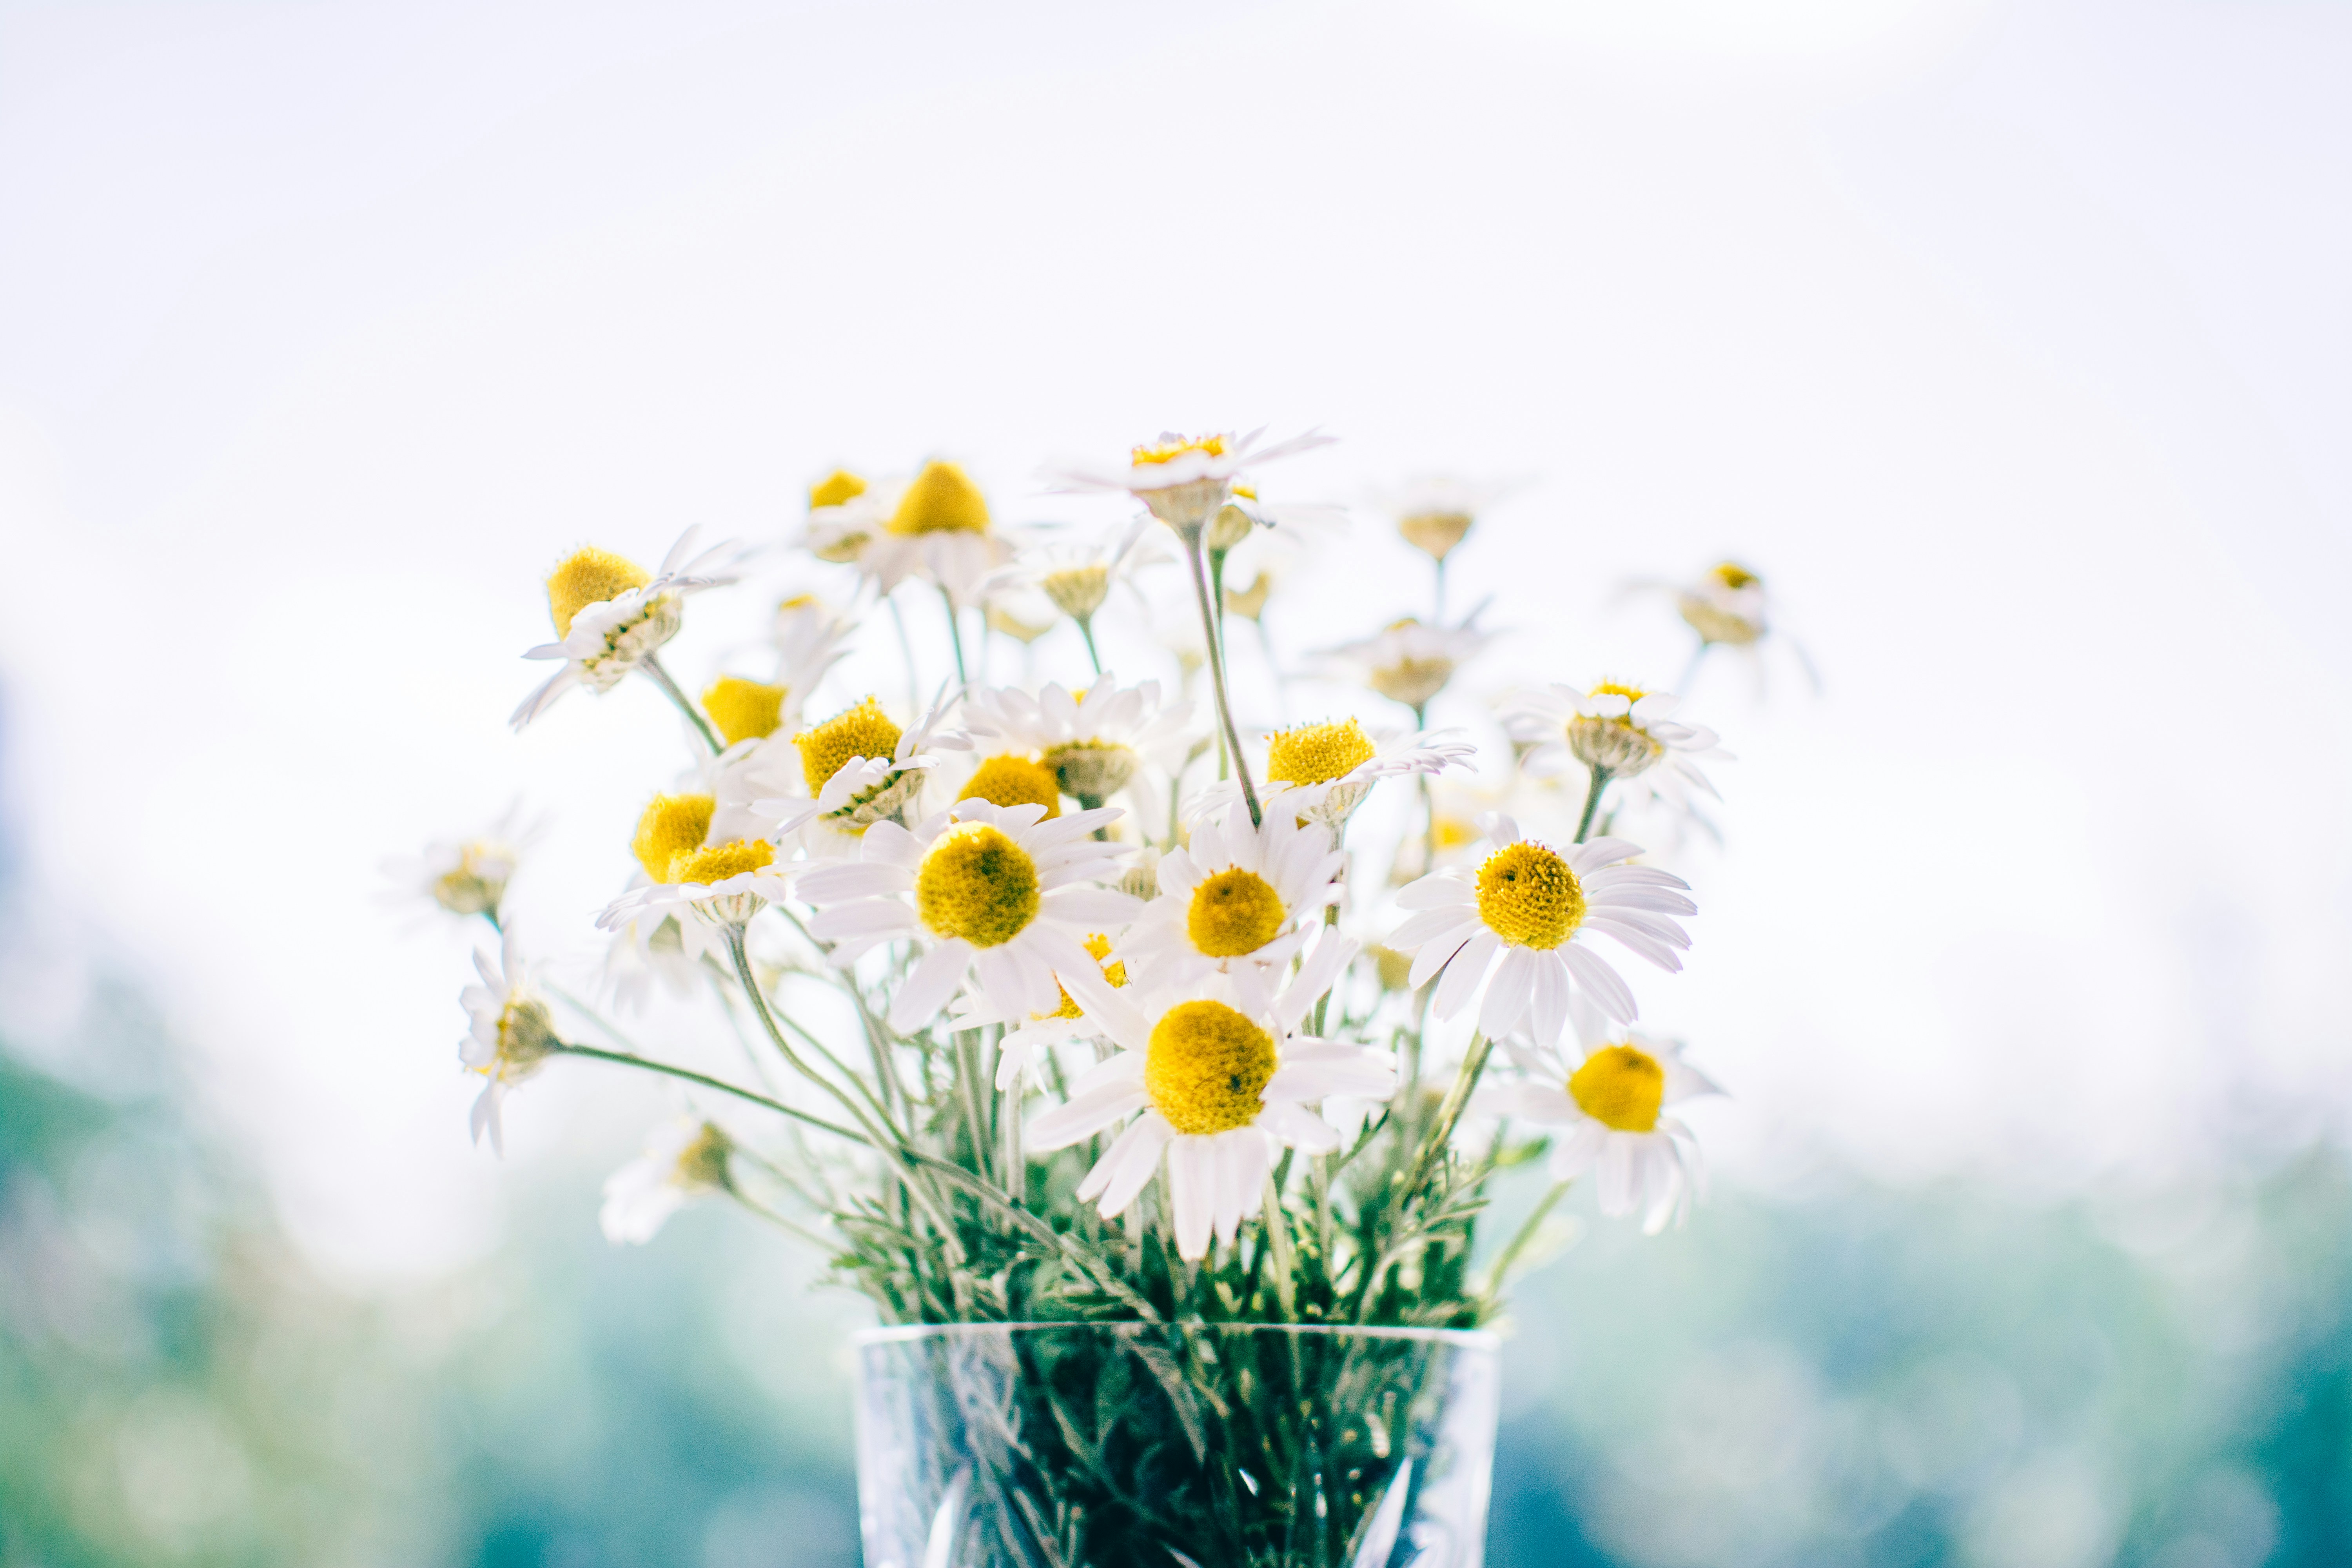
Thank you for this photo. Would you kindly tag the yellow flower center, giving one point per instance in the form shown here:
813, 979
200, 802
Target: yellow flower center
1233, 912
1620, 1088
864, 730
1205, 1068
1528, 895
703, 1162
1168, 451
977, 884
1316, 754
720, 861
1015, 780
1618, 688
589, 576
743, 710
835, 488
943, 499
1099, 945
526, 1034
1735, 576
672, 825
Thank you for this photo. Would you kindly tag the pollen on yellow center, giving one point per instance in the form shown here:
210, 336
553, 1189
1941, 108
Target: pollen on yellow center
1528, 895
720, 861
671, 826
1233, 912
835, 488
1205, 1066
1168, 451
1099, 946
943, 499
977, 884
1621, 1087
864, 730
1735, 576
1316, 754
1011, 779
589, 576
743, 710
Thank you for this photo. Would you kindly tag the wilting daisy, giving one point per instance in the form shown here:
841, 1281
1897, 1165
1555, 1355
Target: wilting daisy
511, 1037
1607, 1113
1184, 480
1095, 740
1526, 914
1434, 512
1621, 730
610, 613
1234, 894
1223, 1081
995, 888
934, 526
1409, 661
1340, 761
1028, 1036
684, 1160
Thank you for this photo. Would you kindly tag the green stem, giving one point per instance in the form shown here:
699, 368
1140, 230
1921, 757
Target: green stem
1591, 801
603, 1023
1500, 1274
955, 635
1087, 630
1439, 617
790, 1227
1428, 790
653, 666
706, 1080
907, 653
874, 1135
1232, 736
1440, 1132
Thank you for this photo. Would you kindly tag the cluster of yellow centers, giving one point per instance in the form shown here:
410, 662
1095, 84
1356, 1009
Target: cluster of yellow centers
1316, 754
943, 499
1233, 912
1011, 779
743, 710
1205, 1066
864, 730
1168, 451
1621, 1087
589, 576
975, 883
835, 489
717, 862
672, 825
1099, 946
1528, 896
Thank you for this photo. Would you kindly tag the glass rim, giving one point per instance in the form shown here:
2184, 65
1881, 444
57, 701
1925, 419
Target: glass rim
906, 1333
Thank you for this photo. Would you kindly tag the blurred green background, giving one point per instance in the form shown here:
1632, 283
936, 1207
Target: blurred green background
1837, 1374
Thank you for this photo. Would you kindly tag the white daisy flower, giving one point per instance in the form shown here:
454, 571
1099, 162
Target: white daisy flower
1234, 894
1185, 479
934, 527
1095, 740
841, 776
512, 1036
610, 613
1609, 1112
1029, 1036
1223, 1080
1336, 764
724, 881
1622, 729
464, 876
684, 1160
808, 637
1076, 571
1409, 661
1435, 512
1534, 908
995, 888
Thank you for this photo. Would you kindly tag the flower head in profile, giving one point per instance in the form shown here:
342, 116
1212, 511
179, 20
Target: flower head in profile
1409, 661
1096, 739
510, 1034
839, 777
996, 889
610, 613
1333, 765
1606, 1109
1726, 604
1235, 895
934, 527
1529, 914
464, 876
684, 1160
1624, 730
1434, 512
1075, 573
1222, 1081
1185, 479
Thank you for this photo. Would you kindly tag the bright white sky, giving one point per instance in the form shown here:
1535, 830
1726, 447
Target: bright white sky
2009, 341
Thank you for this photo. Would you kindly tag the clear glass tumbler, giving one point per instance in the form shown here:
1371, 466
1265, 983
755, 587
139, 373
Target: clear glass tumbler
1193, 1446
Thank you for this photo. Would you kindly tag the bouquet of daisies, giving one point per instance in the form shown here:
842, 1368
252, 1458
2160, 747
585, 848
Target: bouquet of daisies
1077, 1002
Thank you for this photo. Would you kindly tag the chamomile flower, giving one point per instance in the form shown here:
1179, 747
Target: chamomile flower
808, 637
610, 613
512, 1036
684, 1160
1075, 573
1409, 661
993, 889
1095, 740
1527, 914
845, 775
1727, 604
1340, 761
1608, 1112
1622, 729
1235, 895
1184, 480
1434, 512
935, 527
1028, 1036
464, 876
1222, 1079
723, 881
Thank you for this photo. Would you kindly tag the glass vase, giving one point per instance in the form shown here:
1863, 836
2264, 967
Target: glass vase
1195, 1446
